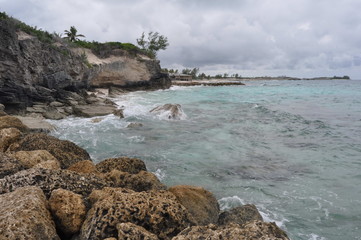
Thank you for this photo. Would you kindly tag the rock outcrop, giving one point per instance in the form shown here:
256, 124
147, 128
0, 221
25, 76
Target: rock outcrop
24, 215
240, 215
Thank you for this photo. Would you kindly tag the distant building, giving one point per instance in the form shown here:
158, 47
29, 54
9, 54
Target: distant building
180, 77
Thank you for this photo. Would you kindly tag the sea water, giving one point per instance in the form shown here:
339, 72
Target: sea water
292, 148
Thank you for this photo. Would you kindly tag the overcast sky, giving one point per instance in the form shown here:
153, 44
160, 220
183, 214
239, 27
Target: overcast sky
301, 38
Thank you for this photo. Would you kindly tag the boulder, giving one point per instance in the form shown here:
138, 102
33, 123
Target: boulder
119, 113
250, 231
49, 180
50, 164
170, 111
12, 122
7, 137
24, 215
142, 181
200, 203
240, 215
66, 152
30, 158
9, 165
131, 231
68, 210
93, 110
158, 212
85, 166
125, 164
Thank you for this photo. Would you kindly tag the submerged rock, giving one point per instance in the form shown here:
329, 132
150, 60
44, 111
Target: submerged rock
200, 203
134, 125
66, 152
240, 215
24, 215
158, 212
171, 111
124, 164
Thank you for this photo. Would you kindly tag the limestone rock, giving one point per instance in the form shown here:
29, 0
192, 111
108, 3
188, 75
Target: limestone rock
24, 215
158, 212
50, 164
12, 122
240, 215
125, 164
36, 123
200, 203
68, 210
64, 151
7, 137
9, 165
49, 180
30, 158
85, 166
142, 181
134, 232
250, 231
93, 110
171, 111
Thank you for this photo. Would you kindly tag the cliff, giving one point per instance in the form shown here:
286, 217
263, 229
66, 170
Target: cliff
36, 66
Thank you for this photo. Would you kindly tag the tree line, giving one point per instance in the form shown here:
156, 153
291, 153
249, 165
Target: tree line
194, 72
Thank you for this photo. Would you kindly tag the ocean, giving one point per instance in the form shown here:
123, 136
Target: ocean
292, 148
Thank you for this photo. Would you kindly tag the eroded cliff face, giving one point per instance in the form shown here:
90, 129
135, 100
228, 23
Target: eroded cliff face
33, 71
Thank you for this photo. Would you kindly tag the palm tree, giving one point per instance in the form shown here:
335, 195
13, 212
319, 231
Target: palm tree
72, 35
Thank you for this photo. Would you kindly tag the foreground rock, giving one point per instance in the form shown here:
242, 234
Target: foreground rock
12, 122
31, 158
251, 231
36, 124
134, 232
9, 165
93, 110
240, 215
66, 152
24, 215
200, 203
158, 212
124, 164
49, 180
171, 111
7, 137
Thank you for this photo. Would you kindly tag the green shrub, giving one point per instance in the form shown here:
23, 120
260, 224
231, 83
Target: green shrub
3, 15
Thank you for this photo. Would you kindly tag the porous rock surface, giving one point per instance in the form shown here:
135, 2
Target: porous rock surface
158, 212
124, 164
68, 210
24, 215
9, 165
30, 158
50, 164
131, 231
12, 122
7, 137
85, 166
49, 180
66, 152
201, 204
240, 215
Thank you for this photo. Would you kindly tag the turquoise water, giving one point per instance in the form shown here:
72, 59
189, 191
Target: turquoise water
293, 148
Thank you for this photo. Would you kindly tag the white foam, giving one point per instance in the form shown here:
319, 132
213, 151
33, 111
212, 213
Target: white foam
160, 174
227, 203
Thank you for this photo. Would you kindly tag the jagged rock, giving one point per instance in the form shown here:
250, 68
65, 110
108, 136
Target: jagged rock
50, 164
65, 152
171, 111
158, 212
124, 164
93, 110
9, 165
134, 232
68, 210
200, 203
250, 231
142, 181
49, 180
240, 215
85, 166
12, 122
7, 137
134, 125
24, 215
30, 158
119, 113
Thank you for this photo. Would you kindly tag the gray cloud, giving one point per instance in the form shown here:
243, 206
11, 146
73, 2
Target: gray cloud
250, 37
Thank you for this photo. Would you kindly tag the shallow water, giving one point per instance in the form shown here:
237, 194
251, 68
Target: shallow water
293, 148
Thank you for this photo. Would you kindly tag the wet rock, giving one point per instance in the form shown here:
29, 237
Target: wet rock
142, 181
200, 203
124, 164
30, 158
85, 166
240, 215
12, 122
68, 210
250, 231
158, 212
7, 137
134, 232
134, 125
119, 113
93, 110
50, 164
49, 180
96, 120
171, 111
9, 165
66, 152
24, 215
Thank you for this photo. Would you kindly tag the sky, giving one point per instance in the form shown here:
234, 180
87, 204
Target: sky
299, 38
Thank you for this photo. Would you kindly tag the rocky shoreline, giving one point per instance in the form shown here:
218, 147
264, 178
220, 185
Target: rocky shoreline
51, 189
